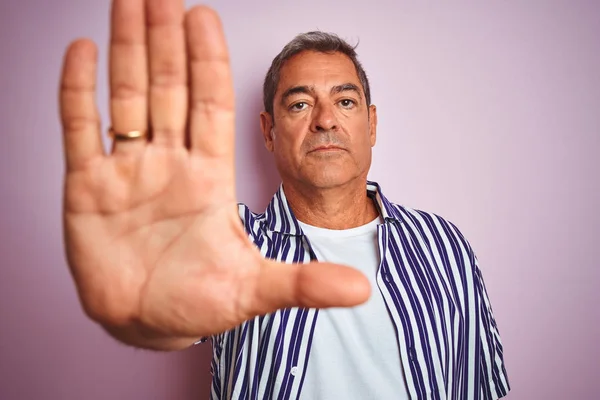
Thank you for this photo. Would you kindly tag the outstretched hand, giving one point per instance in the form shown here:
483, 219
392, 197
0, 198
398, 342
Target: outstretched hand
152, 233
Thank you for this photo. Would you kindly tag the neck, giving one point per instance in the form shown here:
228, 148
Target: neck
342, 207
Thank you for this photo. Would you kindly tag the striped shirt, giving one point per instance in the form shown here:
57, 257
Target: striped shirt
450, 347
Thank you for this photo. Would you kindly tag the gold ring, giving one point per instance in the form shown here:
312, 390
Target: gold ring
127, 135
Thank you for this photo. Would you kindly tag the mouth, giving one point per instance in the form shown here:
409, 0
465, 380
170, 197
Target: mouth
326, 149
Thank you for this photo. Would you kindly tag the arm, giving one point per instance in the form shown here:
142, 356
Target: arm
494, 379
152, 235
491, 379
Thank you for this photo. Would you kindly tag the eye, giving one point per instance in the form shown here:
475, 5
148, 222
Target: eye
347, 103
298, 106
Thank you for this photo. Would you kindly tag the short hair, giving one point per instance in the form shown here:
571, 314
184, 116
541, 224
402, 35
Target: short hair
322, 42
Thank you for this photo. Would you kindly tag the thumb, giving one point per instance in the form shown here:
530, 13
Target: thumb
311, 285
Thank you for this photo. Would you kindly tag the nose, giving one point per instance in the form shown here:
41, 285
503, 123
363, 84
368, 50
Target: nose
324, 118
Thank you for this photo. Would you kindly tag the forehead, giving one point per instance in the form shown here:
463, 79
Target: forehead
317, 69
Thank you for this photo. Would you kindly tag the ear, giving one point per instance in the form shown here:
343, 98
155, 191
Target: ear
267, 126
373, 124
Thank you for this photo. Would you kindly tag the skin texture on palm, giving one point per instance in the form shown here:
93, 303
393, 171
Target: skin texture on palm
152, 234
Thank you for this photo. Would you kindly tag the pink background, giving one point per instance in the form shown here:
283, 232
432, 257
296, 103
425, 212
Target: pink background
489, 115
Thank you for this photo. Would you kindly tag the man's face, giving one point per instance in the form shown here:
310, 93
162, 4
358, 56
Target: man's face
321, 133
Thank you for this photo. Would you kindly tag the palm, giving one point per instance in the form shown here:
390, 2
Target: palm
152, 231
146, 222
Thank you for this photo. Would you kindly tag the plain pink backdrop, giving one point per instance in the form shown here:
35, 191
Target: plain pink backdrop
489, 114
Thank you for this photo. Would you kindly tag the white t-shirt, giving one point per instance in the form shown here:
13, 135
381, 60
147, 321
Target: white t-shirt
354, 352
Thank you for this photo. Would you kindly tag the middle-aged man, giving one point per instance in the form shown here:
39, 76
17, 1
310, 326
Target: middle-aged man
161, 260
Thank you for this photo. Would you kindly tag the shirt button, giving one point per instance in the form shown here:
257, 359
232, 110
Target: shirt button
294, 371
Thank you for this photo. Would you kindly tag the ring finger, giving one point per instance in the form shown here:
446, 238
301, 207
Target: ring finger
128, 73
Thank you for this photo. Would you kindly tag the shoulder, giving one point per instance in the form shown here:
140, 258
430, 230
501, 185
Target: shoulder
435, 231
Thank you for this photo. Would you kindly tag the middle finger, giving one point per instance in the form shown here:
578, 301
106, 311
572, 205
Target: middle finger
128, 73
168, 94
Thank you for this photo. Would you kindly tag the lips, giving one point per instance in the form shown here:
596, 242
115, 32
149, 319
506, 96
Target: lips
326, 148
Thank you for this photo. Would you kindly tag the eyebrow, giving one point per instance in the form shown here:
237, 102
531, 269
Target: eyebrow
346, 87
311, 90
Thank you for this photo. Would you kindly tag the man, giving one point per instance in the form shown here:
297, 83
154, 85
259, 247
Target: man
161, 261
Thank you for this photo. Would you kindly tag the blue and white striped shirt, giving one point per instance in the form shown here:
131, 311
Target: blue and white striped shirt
449, 343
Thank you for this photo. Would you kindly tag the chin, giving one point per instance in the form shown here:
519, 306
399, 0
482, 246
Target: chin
329, 175
328, 179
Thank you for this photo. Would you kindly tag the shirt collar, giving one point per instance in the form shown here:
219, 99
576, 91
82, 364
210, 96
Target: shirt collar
281, 219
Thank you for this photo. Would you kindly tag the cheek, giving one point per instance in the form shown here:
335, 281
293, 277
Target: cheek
287, 143
362, 138
363, 148
289, 135
287, 148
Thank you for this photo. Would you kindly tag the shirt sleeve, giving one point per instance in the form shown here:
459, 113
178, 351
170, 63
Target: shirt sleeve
493, 377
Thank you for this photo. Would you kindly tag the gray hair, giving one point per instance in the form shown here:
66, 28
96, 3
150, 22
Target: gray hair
311, 41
